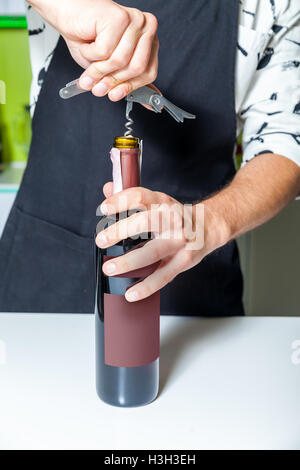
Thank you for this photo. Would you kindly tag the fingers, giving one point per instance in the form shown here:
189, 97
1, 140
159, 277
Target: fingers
136, 66
76, 54
109, 31
168, 269
160, 214
135, 76
164, 221
131, 55
108, 189
133, 198
151, 252
125, 228
119, 58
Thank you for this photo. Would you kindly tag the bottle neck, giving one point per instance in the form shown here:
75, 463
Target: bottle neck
126, 163
130, 168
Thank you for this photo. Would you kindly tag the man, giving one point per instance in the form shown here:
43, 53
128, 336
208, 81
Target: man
235, 65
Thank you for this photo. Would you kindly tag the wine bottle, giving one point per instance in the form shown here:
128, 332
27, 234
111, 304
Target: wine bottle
127, 333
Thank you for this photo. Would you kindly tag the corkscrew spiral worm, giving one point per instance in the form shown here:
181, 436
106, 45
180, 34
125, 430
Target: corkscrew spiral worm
128, 126
129, 122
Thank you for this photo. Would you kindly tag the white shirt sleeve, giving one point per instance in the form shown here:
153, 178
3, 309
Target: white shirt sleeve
270, 112
43, 39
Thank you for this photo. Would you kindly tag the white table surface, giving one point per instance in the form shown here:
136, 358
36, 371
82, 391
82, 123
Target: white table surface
225, 384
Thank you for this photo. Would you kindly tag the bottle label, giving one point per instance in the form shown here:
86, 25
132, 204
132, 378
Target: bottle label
131, 330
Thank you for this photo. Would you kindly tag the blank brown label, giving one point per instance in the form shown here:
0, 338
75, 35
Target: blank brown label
131, 330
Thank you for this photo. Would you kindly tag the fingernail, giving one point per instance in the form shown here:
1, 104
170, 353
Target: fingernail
100, 89
101, 239
86, 83
104, 208
117, 93
132, 296
110, 268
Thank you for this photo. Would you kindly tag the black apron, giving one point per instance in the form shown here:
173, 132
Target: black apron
47, 248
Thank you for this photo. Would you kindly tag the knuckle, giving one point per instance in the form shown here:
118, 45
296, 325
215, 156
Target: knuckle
122, 17
152, 22
177, 223
146, 221
124, 265
138, 18
163, 208
96, 68
186, 258
177, 220
152, 75
117, 62
163, 197
127, 87
147, 290
112, 80
104, 54
156, 41
139, 196
138, 68
166, 278
155, 254
102, 49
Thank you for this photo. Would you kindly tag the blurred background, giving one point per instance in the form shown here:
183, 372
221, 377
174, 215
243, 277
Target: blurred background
16, 74
270, 255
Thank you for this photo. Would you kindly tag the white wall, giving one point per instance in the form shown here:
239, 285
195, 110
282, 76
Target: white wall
12, 7
270, 257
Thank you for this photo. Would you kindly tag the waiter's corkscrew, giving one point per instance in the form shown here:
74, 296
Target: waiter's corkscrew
143, 95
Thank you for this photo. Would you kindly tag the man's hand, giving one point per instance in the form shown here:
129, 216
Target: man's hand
183, 237
178, 230
116, 45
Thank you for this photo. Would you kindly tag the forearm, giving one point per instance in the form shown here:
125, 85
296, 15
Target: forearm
258, 192
57, 11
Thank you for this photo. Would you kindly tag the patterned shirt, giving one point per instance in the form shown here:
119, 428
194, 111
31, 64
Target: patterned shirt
267, 82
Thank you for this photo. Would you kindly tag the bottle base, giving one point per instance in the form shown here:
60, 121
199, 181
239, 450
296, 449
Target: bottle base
120, 404
128, 387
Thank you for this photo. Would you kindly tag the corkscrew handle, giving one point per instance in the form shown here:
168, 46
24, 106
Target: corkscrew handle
151, 97
71, 89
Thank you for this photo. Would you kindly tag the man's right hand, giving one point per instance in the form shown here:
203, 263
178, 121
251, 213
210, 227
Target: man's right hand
117, 45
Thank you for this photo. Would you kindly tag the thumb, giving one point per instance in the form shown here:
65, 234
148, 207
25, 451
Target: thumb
108, 189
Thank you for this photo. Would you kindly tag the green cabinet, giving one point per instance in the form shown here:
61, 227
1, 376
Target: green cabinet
15, 78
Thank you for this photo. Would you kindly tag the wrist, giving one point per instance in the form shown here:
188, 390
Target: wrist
217, 231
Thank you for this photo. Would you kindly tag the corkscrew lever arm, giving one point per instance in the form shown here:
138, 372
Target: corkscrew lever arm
149, 96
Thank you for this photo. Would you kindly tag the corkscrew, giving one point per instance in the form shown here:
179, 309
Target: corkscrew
143, 95
153, 98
